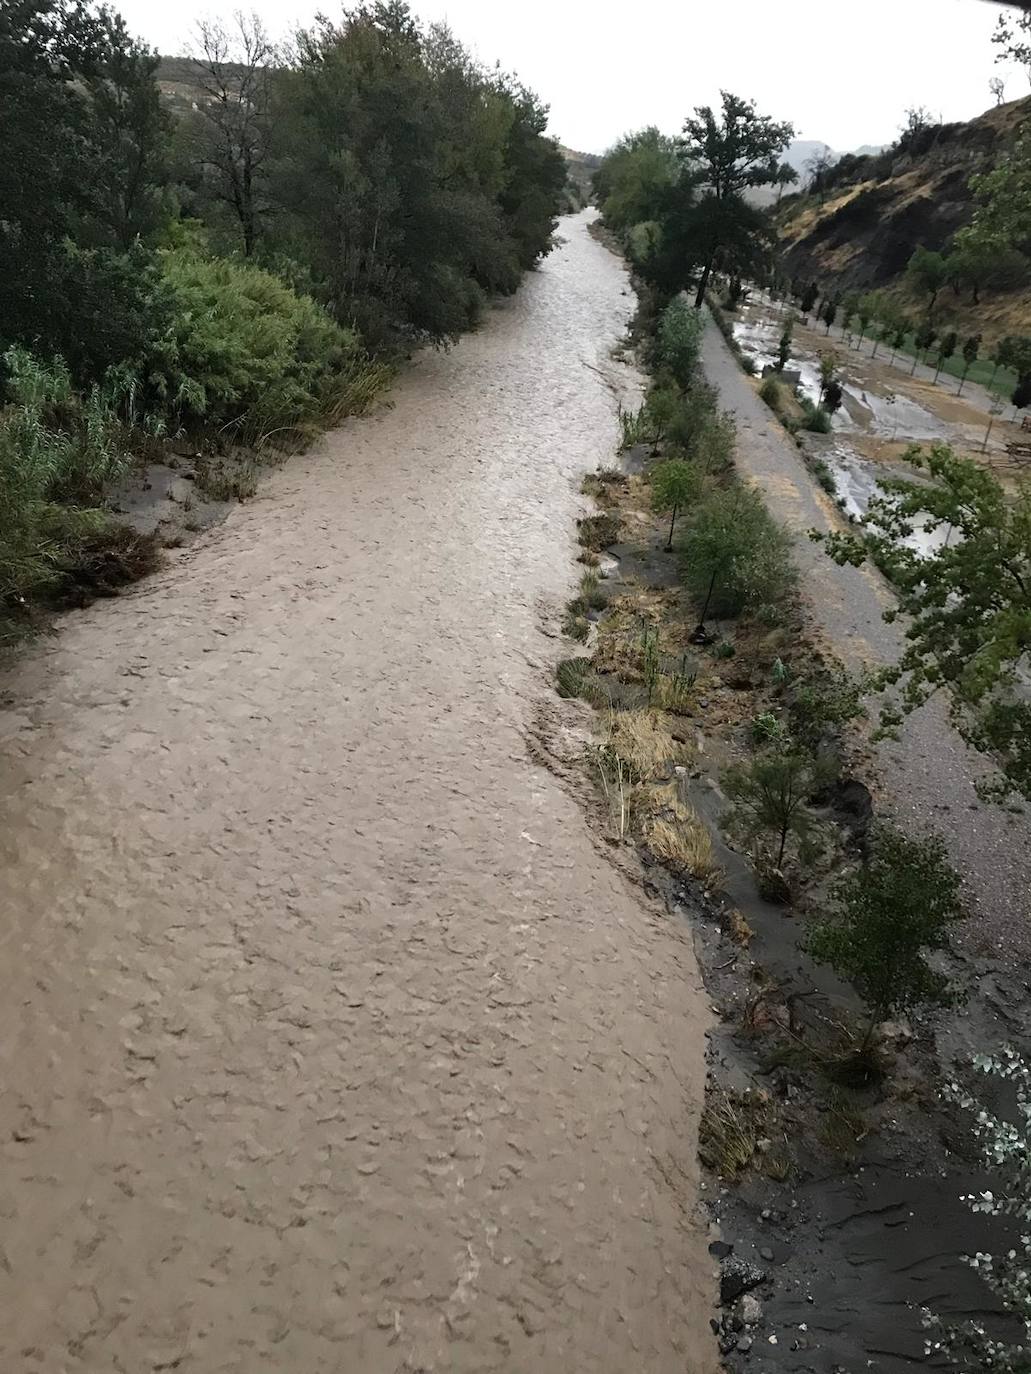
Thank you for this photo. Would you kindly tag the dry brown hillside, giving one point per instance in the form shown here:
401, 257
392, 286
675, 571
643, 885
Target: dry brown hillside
879, 208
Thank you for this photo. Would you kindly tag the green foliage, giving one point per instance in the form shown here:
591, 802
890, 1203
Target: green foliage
644, 242
735, 556
633, 182
784, 345
814, 417
967, 605
57, 454
770, 795
822, 701
774, 393
411, 179
928, 272
246, 349
675, 484
679, 340
885, 918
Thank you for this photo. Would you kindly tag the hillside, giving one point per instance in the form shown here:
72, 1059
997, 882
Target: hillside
880, 207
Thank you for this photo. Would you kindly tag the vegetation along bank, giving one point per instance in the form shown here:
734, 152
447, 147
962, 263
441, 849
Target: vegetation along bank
209, 259
857, 1039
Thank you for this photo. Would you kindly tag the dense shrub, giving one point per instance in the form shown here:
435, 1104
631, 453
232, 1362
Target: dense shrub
57, 454
246, 348
680, 340
734, 554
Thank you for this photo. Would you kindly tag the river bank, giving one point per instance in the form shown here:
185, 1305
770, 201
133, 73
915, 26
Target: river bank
333, 1037
839, 1206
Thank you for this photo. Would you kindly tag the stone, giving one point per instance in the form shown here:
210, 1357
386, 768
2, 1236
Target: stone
744, 1344
720, 1248
751, 1310
766, 1254
737, 1276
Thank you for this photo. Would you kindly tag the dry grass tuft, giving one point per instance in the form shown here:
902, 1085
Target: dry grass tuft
642, 739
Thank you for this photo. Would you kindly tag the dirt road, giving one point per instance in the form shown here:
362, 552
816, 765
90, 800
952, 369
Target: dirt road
331, 1040
929, 775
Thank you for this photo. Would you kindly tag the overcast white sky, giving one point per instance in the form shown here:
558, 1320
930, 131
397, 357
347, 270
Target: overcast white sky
841, 72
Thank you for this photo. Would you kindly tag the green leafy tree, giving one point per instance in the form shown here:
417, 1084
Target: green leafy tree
771, 795
679, 340
809, 298
633, 182
967, 605
729, 154
735, 556
675, 484
829, 314
897, 337
833, 395
866, 309
828, 367
784, 345
885, 919
925, 337
928, 273
946, 348
971, 348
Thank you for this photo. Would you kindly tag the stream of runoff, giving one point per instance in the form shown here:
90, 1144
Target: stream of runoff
331, 1039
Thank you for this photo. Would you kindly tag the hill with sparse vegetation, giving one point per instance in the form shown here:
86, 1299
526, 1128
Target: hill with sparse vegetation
874, 211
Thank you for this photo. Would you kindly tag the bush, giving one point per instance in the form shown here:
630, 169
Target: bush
771, 794
886, 917
735, 556
774, 393
246, 350
814, 417
680, 340
57, 453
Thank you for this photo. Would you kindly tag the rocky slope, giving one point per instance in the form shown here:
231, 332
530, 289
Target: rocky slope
879, 208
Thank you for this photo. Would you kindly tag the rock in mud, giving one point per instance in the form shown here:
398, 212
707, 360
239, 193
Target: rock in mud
737, 1276
751, 1310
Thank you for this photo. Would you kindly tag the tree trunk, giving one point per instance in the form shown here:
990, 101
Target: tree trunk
672, 518
708, 598
783, 845
962, 380
703, 284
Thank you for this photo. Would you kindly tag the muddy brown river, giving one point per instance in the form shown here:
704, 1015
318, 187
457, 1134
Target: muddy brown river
332, 1041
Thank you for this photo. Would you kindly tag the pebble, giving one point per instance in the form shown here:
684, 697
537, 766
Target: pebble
766, 1253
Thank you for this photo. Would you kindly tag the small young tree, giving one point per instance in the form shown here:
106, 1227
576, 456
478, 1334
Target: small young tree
970, 351
928, 272
770, 795
925, 336
828, 367
1006, 1151
833, 395
946, 348
865, 311
998, 88
885, 918
809, 297
829, 314
1022, 392
675, 484
897, 338
784, 346
680, 340
735, 555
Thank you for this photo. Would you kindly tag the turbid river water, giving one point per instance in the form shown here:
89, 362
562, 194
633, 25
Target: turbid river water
332, 1041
